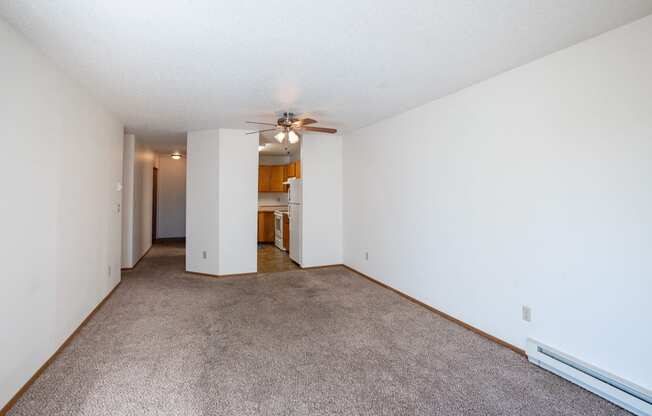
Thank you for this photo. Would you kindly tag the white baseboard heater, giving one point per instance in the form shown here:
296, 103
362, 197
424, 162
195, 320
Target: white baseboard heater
625, 394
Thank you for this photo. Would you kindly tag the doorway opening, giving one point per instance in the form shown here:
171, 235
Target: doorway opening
279, 206
169, 209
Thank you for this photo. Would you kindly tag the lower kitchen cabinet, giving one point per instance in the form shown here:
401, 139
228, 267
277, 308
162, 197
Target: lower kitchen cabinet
266, 233
286, 232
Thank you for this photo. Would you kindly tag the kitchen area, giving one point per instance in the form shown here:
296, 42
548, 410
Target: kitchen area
279, 206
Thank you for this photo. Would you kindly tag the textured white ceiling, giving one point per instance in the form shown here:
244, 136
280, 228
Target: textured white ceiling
167, 67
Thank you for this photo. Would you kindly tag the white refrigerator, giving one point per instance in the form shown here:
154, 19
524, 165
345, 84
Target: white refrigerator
295, 199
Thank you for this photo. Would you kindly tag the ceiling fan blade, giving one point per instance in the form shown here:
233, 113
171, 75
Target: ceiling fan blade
256, 122
320, 129
306, 121
259, 131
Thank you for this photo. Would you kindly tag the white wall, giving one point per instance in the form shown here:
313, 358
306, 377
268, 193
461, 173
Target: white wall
171, 205
61, 228
321, 171
143, 201
532, 188
137, 200
128, 155
202, 182
221, 213
238, 193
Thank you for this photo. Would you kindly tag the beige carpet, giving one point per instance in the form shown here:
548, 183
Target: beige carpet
319, 342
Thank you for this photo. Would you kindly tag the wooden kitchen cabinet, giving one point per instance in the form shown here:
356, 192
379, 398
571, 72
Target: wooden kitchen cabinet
277, 178
290, 171
266, 232
293, 170
286, 232
261, 226
264, 178
297, 169
271, 178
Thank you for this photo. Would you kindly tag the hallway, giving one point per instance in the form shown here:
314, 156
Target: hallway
314, 342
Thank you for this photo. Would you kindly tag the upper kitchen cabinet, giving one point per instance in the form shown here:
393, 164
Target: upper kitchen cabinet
264, 178
277, 178
290, 171
293, 170
271, 178
297, 169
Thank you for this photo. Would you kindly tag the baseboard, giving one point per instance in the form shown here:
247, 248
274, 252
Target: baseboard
442, 314
126, 269
326, 266
219, 276
38, 372
170, 240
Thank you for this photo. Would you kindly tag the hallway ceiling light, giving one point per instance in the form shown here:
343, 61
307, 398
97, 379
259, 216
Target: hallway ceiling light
176, 155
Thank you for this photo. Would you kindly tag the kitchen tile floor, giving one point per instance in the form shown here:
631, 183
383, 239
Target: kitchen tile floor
272, 259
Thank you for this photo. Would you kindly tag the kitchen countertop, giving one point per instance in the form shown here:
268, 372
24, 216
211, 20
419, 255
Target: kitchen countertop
271, 208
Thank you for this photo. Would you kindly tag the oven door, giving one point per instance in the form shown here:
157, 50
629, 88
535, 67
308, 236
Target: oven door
278, 230
278, 224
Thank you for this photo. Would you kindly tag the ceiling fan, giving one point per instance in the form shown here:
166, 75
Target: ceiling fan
290, 127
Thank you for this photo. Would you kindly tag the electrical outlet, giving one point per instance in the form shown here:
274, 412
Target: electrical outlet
527, 313
118, 208
366, 255
203, 254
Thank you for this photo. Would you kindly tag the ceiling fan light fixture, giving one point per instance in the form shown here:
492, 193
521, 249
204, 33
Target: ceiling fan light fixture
293, 137
290, 128
261, 147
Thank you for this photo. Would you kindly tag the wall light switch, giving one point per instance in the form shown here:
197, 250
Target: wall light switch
203, 254
527, 313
